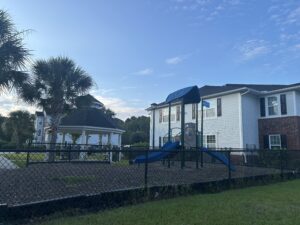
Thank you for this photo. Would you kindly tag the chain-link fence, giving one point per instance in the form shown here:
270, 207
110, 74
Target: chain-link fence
29, 176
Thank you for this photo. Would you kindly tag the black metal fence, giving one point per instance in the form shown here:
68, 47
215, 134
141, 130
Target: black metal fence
28, 176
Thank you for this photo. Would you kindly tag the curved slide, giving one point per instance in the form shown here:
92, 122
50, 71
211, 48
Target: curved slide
219, 156
164, 152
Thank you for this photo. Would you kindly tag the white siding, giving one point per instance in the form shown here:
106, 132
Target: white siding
226, 128
250, 115
297, 99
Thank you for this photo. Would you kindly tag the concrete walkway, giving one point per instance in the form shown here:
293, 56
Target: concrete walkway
7, 164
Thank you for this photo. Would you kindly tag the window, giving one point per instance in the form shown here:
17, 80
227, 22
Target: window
178, 113
209, 141
219, 107
165, 115
39, 132
273, 106
194, 111
262, 107
209, 112
160, 115
283, 107
275, 141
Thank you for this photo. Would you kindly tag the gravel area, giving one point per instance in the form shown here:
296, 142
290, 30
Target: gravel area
39, 182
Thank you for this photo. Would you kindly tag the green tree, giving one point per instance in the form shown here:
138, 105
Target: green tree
136, 130
55, 85
3, 136
19, 126
13, 55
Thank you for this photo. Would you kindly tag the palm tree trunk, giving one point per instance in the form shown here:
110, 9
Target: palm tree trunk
54, 127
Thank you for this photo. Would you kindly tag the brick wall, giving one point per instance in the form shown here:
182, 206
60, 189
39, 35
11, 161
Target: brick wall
289, 126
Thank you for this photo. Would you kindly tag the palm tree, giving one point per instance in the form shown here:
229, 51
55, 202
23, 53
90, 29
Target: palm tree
19, 126
55, 85
13, 54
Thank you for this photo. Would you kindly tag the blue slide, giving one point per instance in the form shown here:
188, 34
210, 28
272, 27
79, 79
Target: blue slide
164, 152
219, 156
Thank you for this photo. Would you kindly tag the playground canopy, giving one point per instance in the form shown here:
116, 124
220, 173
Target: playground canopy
186, 95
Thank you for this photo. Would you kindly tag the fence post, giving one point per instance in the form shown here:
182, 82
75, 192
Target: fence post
146, 169
229, 166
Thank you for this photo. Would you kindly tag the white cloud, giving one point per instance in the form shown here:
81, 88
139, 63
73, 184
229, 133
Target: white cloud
177, 59
10, 102
121, 107
144, 72
252, 49
294, 16
174, 60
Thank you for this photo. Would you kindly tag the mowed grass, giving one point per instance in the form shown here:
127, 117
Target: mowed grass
271, 205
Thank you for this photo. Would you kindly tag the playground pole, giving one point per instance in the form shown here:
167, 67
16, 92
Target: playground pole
169, 125
201, 144
182, 133
197, 144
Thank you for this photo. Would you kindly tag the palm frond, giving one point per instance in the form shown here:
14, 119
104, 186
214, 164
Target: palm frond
13, 55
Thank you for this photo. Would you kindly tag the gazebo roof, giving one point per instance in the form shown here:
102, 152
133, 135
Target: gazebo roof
88, 117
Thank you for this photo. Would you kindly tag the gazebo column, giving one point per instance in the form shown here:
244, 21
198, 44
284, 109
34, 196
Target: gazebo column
63, 138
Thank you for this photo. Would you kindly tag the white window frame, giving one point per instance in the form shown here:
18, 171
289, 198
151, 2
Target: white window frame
165, 115
276, 105
205, 143
275, 145
213, 103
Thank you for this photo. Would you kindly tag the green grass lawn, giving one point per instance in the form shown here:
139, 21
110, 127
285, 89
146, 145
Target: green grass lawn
270, 205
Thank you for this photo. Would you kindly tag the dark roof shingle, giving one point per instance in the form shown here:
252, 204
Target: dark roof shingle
88, 117
210, 90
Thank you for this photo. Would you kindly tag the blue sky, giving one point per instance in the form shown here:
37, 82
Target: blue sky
139, 51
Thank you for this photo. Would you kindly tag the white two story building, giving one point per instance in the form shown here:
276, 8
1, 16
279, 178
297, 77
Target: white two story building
239, 116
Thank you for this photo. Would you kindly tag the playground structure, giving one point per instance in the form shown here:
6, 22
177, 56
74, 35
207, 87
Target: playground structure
189, 131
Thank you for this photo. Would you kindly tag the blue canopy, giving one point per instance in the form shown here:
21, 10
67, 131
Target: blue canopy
187, 95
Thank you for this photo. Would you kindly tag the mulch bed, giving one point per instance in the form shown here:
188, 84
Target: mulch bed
42, 182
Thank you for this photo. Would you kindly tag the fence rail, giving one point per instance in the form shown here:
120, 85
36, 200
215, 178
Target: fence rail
28, 176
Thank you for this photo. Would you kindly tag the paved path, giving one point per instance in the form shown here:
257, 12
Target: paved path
7, 164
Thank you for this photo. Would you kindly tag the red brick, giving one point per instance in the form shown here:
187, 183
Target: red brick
289, 126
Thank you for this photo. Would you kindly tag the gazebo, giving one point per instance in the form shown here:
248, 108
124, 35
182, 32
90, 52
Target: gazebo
89, 126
